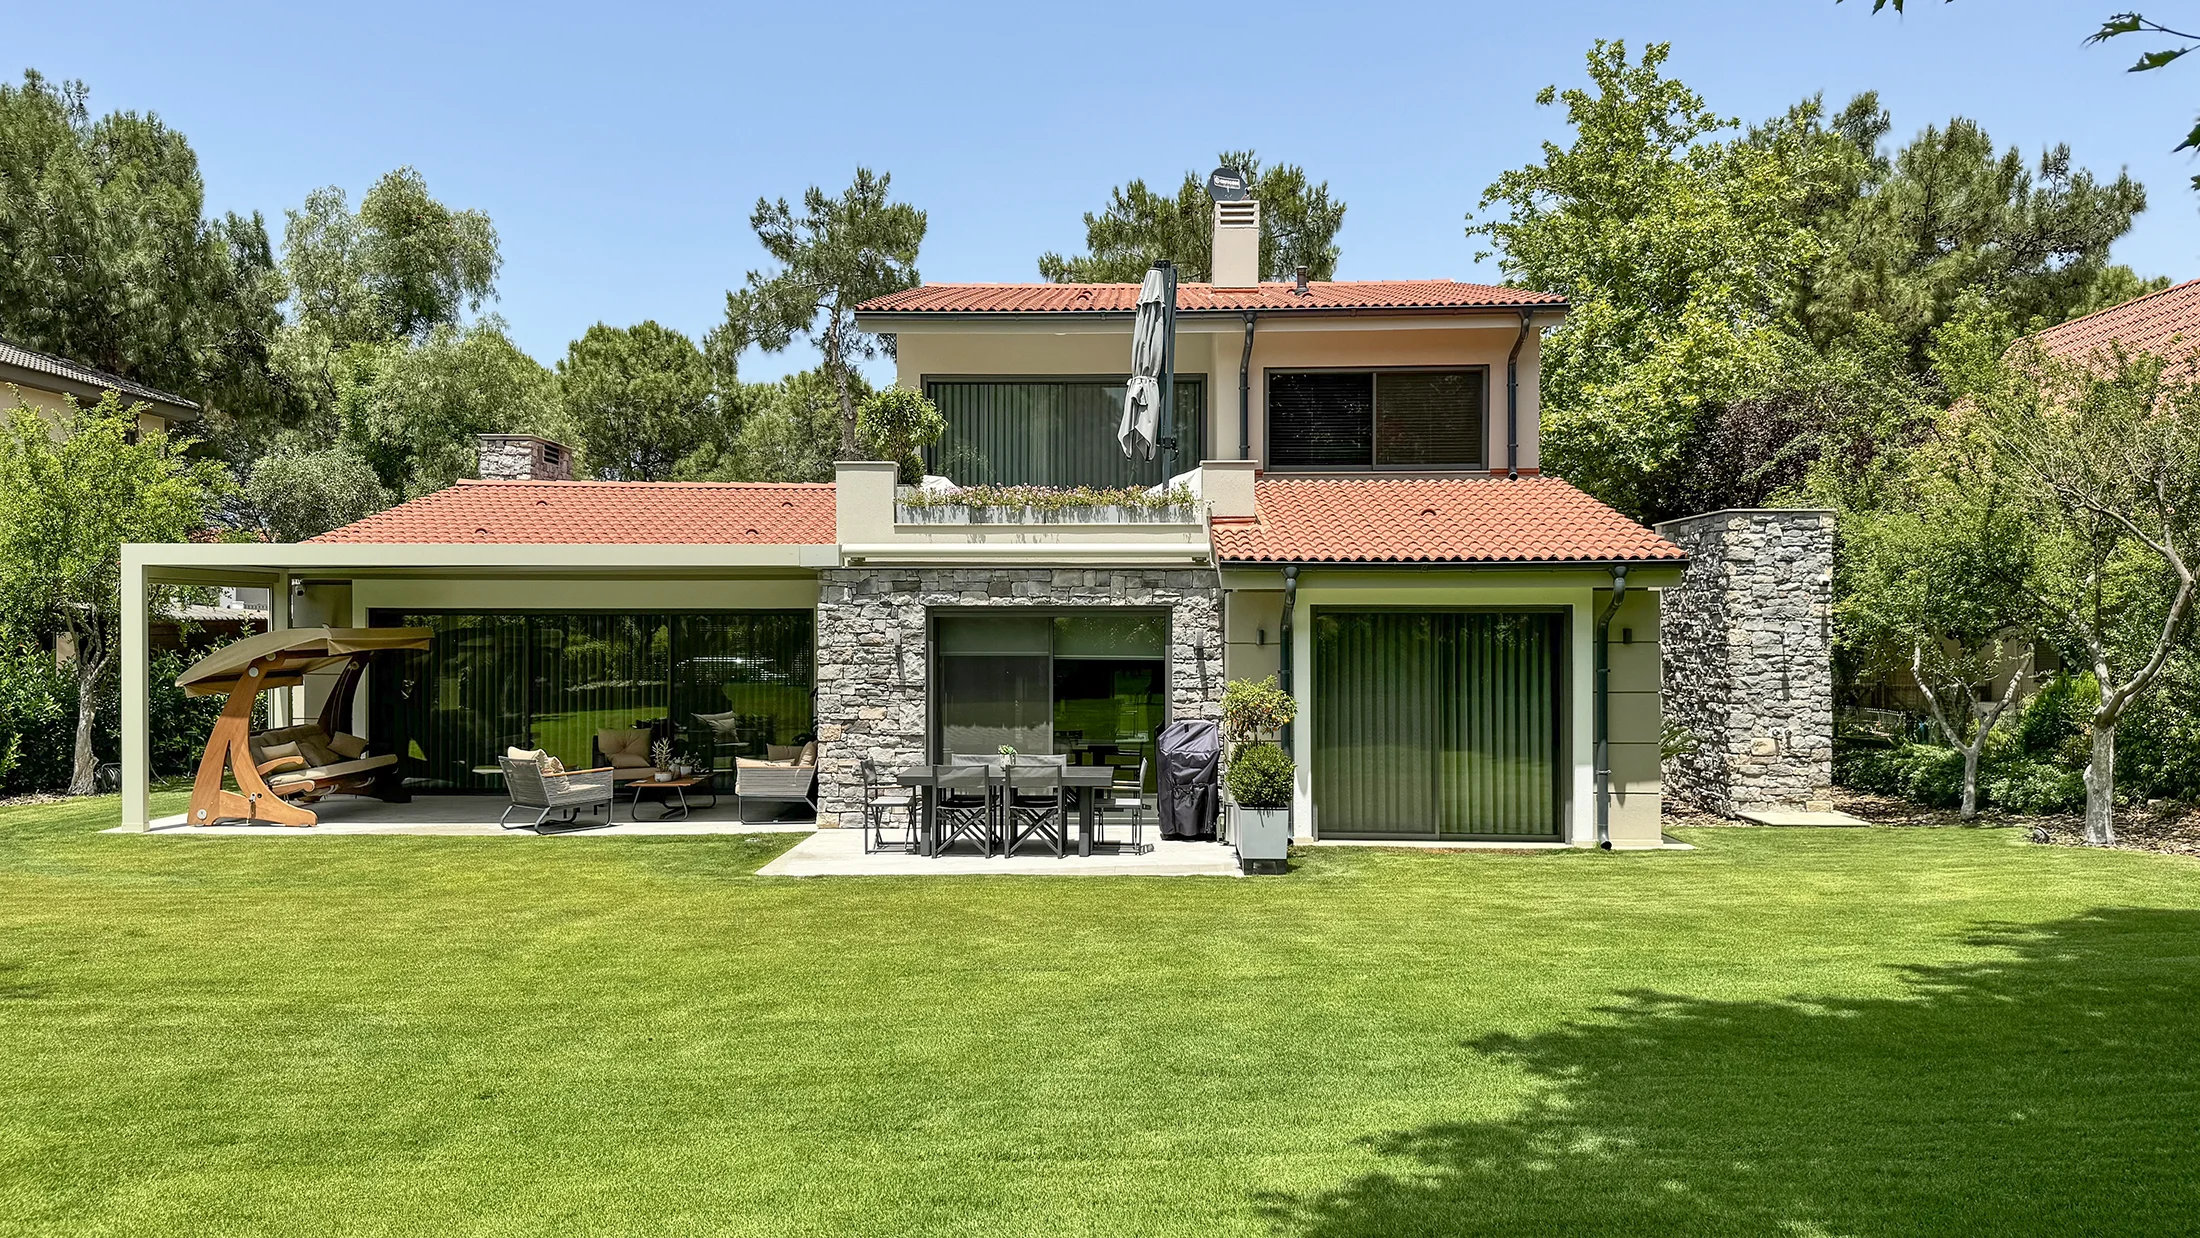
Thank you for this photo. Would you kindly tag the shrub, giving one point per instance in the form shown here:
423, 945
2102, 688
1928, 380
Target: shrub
37, 721
895, 424
1260, 776
1255, 709
2021, 785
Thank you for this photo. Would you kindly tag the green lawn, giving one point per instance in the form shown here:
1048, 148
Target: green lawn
1802, 1032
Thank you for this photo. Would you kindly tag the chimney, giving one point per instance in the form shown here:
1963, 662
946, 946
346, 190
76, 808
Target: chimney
1299, 287
523, 457
1237, 244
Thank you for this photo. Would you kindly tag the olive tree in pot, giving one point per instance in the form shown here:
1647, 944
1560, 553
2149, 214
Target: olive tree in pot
1260, 778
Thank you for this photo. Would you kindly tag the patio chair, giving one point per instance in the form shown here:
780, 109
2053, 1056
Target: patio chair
1127, 794
1035, 804
560, 795
963, 803
788, 780
881, 800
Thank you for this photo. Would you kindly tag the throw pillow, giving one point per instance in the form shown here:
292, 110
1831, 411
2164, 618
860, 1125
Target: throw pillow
316, 751
349, 747
809, 754
274, 752
783, 753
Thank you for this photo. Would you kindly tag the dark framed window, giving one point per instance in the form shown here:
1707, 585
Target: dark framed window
1089, 684
1052, 432
1377, 419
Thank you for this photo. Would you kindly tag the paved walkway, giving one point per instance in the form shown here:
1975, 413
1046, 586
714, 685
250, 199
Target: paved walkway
839, 853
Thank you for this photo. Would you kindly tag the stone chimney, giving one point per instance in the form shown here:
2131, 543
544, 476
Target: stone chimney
524, 457
1237, 244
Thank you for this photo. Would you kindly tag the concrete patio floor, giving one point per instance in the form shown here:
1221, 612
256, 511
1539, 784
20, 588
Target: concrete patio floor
839, 853
476, 815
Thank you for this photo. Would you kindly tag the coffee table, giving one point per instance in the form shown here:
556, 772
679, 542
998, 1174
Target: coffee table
667, 790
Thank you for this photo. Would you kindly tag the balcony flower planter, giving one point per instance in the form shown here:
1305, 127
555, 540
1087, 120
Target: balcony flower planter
959, 514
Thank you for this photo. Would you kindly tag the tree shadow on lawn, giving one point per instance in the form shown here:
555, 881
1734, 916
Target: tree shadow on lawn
2052, 1090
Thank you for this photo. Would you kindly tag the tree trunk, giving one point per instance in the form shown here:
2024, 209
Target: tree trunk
850, 448
2100, 787
1970, 776
84, 778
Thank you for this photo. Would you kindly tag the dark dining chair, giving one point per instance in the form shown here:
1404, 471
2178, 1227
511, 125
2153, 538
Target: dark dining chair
1035, 803
963, 803
1126, 794
881, 801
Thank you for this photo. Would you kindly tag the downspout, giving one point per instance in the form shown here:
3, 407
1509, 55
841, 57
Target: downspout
1512, 397
1290, 605
1604, 707
1245, 389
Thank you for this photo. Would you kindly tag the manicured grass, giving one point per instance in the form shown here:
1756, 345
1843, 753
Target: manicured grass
1838, 1032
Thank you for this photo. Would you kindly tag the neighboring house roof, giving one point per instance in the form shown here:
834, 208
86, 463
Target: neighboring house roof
1447, 520
636, 513
1427, 295
30, 368
2164, 323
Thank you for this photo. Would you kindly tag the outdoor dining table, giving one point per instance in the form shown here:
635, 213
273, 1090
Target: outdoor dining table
1086, 780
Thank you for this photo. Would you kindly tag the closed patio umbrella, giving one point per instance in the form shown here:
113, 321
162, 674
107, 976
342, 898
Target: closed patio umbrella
1141, 428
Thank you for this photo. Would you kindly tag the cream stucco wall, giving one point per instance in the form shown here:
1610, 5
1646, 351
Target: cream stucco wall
54, 405
1637, 718
1212, 348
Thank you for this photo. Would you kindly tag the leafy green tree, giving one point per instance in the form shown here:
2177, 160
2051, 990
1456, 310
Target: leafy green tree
780, 431
1298, 227
1946, 218
299, 493
640, 397
1676, 252
107, 258
399, 267
1935, 569
897, 423
414, 411
70, 495
838, 253
2106, 456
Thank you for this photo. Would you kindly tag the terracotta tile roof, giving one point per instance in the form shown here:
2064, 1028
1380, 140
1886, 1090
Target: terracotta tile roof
1367, 294
2163, 323
606, 513
1454, 520
17, 357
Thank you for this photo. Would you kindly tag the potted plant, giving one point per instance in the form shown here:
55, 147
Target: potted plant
1260, 777
662, 752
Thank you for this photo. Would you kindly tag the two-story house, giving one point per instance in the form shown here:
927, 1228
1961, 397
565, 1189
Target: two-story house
1366, 521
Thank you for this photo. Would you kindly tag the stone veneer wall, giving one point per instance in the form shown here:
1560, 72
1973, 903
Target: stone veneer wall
1747, 654
873, 664
523, 457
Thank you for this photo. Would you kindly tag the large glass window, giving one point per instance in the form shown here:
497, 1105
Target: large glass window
718, 684
1052, 432
1375, 419
1438, 724
1090, 685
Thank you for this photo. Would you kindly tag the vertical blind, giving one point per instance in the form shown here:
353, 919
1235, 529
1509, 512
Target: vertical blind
1437, 724
1052, 432
489, 682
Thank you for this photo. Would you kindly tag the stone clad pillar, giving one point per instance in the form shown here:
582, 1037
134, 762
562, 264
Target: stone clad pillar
1747, 644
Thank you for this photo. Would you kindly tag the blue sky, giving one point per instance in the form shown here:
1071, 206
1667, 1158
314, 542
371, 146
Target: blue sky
620, 148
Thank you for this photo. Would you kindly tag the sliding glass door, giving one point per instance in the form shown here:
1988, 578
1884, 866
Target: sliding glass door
717, 684
1438, 724
1092, 685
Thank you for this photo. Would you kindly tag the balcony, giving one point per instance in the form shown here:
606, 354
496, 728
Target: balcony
879, 521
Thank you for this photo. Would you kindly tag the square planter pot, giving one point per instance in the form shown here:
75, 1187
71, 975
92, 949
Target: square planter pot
1262, 837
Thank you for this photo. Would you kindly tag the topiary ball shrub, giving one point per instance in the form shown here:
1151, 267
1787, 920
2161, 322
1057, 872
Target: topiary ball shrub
1260, 776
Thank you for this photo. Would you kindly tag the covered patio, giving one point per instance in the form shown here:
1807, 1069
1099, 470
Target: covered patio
477, 816
536, 645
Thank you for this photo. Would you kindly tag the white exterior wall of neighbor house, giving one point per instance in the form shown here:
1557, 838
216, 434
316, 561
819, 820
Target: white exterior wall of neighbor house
1060, 345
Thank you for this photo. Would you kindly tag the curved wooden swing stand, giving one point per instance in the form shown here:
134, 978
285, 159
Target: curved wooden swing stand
282, 659
229, 749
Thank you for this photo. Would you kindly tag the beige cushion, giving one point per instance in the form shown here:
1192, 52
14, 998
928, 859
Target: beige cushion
549, 764
754, 763
628, 748
274, 752
338, 769
808, 756
783, 754
349, 747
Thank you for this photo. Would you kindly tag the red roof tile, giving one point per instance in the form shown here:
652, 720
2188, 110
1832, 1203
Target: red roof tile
1455, 520
2163, 323
606, 513
1367, 294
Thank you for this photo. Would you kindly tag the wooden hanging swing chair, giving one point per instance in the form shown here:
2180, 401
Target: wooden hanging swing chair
307, 761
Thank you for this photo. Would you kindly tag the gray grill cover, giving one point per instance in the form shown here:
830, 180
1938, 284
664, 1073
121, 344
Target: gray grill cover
1191, 756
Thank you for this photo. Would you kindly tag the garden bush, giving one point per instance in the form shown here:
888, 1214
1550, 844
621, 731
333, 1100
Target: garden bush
1259, 777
